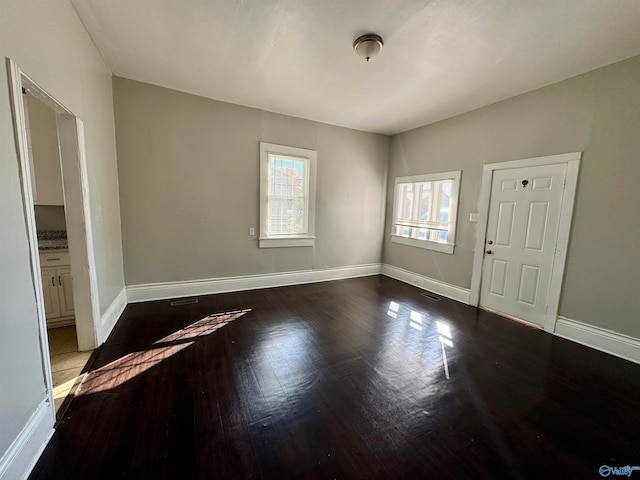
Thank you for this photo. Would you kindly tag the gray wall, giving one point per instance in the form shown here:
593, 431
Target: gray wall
50, 217
48, 42
45, 151
189, 180
597, 113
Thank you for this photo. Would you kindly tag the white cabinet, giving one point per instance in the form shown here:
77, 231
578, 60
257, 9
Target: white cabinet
57, 288
50, 293
65, 291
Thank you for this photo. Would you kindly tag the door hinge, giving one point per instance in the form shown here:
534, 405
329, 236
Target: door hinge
564, 183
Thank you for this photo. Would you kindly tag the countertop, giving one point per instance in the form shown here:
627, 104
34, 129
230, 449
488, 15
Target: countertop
52, 240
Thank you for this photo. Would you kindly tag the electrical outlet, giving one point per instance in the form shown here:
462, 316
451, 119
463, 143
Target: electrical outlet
252, 231
473, 217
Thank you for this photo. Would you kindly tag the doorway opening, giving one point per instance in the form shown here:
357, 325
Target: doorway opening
52, 164
47, 193
525, 212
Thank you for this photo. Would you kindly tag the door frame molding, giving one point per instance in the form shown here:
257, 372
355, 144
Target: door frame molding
572, 161
77, 209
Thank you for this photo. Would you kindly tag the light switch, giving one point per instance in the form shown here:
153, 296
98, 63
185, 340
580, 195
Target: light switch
473, 217
252, 231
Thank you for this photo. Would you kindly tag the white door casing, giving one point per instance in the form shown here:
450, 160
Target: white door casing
73, 157
529, 230
521, 236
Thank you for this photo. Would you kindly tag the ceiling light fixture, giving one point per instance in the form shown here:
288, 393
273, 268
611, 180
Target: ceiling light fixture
368, 46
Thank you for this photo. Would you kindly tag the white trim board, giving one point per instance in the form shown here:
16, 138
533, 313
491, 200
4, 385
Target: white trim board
71, 140
24, 452
436, 286
111, 316
190, 288
16, 84
601, 339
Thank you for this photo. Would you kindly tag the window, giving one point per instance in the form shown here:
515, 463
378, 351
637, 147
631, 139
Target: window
287, 196
424, 211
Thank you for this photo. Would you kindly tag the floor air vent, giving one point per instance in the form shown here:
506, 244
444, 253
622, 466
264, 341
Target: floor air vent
431, 296
186, 301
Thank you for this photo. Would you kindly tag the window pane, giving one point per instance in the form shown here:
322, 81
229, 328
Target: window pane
422, 210
287, 216
408, 202
445, 197
425, 201
287, 203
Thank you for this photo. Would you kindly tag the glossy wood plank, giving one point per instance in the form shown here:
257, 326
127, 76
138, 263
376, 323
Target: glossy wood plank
359, 378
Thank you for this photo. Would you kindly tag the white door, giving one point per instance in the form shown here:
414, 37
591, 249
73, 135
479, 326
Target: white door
522, 229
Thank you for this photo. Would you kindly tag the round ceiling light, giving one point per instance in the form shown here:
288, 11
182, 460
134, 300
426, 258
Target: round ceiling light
368, 46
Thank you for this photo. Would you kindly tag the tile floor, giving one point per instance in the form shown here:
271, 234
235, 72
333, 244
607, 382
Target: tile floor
66, 361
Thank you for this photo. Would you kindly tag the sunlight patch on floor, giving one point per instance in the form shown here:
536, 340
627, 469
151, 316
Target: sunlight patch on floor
66, 362
133, 364
124, 369
205, 326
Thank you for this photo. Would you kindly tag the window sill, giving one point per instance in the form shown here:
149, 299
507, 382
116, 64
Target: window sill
280, 242
426, 244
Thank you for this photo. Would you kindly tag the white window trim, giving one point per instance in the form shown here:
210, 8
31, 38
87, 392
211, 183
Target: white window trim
443, 247
276, 241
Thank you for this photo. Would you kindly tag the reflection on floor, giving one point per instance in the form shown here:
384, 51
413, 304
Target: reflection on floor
66, 361
356, 378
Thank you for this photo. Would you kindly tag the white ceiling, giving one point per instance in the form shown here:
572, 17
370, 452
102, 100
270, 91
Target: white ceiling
440, 58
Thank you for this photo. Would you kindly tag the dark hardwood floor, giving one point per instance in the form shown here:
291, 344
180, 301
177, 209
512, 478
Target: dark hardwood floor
359, 378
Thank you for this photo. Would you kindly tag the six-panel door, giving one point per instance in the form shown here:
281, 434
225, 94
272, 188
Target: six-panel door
522, 228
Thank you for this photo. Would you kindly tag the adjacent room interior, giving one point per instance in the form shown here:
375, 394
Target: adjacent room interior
306, 240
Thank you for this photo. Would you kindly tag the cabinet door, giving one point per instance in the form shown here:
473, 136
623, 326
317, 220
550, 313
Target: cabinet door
65, 291
50, 293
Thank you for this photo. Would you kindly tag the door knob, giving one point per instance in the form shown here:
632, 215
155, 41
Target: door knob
488, 252
490, 242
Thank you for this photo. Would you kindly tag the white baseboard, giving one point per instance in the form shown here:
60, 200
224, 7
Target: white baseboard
162, 291
436, 286
22, 455
601, 339
111, 316
61, 322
